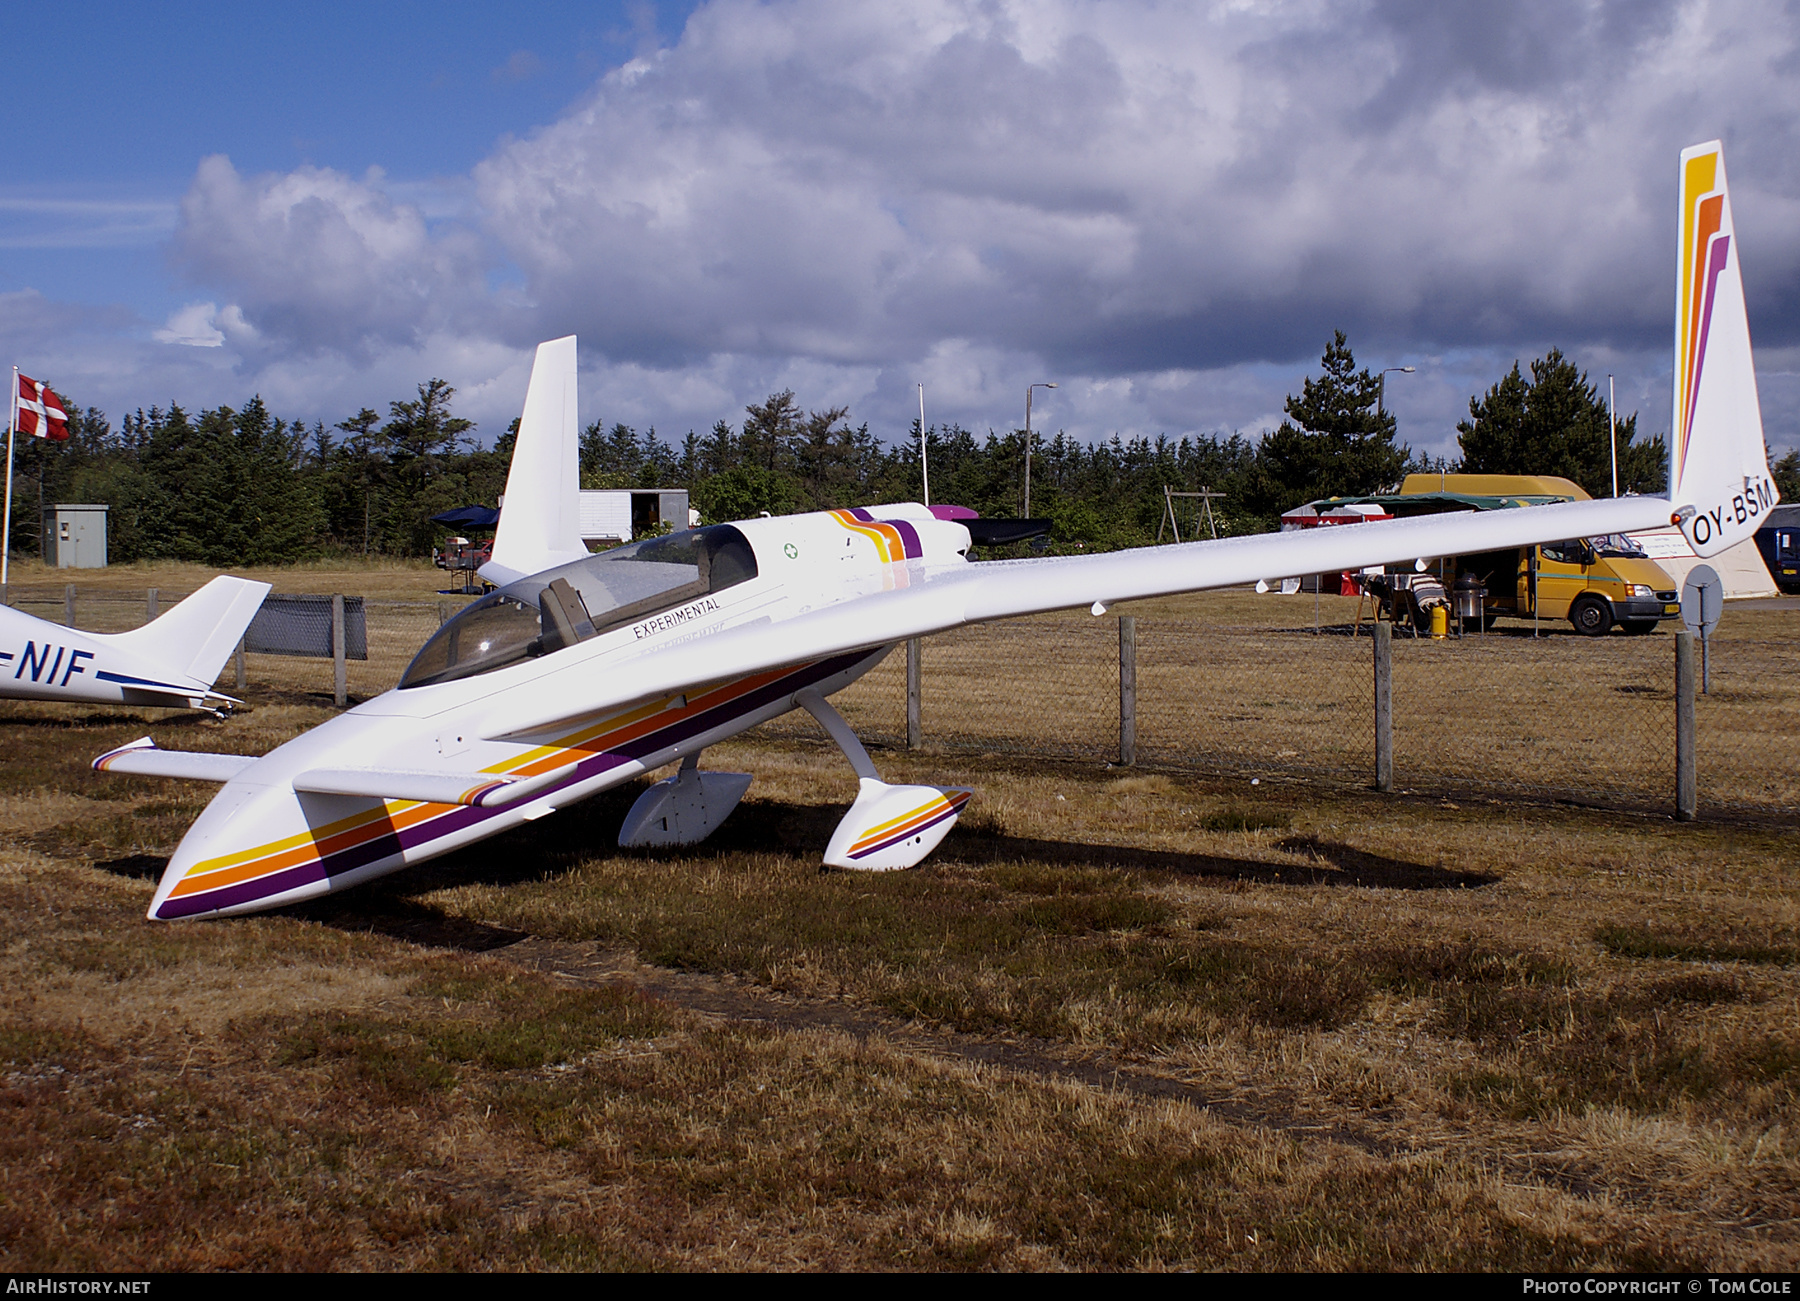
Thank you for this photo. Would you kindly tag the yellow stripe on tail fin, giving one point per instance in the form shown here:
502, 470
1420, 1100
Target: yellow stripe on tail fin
1719, 481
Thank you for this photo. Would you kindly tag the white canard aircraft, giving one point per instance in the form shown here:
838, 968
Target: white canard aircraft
171, 661
583, 671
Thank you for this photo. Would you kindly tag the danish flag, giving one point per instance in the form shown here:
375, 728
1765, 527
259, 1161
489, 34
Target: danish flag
40, 411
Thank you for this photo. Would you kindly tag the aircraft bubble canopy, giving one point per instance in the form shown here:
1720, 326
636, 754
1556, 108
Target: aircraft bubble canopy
587, 598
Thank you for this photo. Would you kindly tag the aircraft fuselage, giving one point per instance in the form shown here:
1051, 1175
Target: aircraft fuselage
500, 693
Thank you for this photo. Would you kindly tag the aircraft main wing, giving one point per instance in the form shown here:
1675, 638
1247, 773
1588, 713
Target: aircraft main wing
935, 600
1001, 589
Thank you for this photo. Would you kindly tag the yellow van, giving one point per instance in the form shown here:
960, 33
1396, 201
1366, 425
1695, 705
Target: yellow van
1594, 583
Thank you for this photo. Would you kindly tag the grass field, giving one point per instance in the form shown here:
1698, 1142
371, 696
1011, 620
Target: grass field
1120, 1019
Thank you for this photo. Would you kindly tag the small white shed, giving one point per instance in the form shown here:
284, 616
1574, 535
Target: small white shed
1740, 568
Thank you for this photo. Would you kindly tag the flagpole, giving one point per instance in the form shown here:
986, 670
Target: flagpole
12, 423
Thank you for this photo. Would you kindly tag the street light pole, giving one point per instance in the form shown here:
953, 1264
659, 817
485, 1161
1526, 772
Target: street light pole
1028, 389
1612, 435
924, 469
1381, 392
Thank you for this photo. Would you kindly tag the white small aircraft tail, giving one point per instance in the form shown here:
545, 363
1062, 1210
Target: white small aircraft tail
540, 521
198, 635
1719, 479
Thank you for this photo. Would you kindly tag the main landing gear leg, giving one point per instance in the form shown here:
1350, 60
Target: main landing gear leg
889, 826
684, 809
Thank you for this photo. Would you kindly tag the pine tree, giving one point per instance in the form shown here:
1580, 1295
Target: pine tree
1555, 423
771, 430
421, 436
1336, 442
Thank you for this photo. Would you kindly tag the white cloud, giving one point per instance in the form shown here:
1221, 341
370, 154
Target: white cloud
1167, 209
1117, 187
521, 65
318, 260
38, 221
193, 326
1125, 190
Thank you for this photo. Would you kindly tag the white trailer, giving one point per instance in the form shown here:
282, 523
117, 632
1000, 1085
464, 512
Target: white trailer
613, 515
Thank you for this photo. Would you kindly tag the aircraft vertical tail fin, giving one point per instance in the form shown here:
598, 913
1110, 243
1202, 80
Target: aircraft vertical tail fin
198, 635
1719, 481
540, 524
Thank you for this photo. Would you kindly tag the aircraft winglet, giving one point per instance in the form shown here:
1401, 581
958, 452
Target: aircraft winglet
1719, 480
540, 524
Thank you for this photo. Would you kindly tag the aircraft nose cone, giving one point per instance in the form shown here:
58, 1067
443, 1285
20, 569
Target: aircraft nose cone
251, 848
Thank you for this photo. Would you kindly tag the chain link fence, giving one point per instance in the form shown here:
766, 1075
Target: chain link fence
1590, 720
1584, 720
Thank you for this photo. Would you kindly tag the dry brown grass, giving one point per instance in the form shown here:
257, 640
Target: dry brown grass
1325, 1030
1137, 1019
403, 607
378, 578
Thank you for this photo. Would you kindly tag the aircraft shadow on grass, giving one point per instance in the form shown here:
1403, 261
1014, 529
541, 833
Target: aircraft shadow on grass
537, 852
534, 853
103, 720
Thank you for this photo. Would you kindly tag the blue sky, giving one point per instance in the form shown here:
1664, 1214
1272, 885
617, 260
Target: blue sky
1165, 208
132, 96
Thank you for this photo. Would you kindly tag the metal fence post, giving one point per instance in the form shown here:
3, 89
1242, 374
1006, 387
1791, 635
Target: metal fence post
1127, 690
1384, 705
915, 725
339, 695
1686, 787
150, 610
69, 605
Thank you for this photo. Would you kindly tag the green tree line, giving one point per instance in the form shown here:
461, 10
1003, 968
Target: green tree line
234, 487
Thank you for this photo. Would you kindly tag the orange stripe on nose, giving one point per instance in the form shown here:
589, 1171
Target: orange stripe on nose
305, 848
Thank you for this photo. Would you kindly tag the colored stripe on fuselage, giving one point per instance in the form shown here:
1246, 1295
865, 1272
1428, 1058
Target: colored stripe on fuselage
399, 826
893, 539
